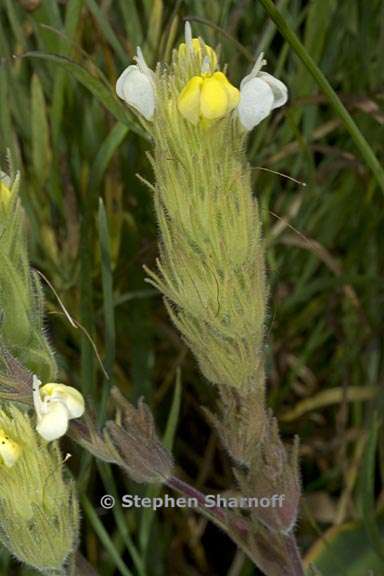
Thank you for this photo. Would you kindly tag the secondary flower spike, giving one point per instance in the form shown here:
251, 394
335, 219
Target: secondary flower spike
39, 512
260, 93
135, 86
55, 405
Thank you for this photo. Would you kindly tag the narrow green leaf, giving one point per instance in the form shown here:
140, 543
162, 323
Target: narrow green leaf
108, 307
359, 139
6, 137
48, 13
367, 490
102, 92
154, 28
106, 29
104, 536
110, 485
344, 551
15, 24
148, 514
106, 151
173, 417
132, 22
41, 149
72, 18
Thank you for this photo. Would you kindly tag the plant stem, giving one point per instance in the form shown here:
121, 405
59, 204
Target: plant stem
239, 530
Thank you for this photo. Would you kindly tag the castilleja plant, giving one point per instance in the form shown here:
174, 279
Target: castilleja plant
212, 275
211, 268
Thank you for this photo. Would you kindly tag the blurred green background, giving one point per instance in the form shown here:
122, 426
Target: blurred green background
91, 227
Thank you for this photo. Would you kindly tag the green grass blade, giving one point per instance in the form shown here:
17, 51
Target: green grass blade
104, 536
154, 490
173, 416
359, 139
72, 18
41, 150
367, 490
6, 135
107, 31
132, 22
108, 307
14, 21
109, 483
103, 93
106, 151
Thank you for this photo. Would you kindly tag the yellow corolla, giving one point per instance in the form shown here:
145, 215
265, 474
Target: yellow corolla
5, 191
9, 450
209, 97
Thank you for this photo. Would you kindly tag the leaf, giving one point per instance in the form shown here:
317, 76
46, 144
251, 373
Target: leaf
106, 29
154, 28
359, 139
103, 536
108, 307
367, 491
105, 153
173, 416
132, 22
345, 551
41, 149
72, 19
153, 491
101, 91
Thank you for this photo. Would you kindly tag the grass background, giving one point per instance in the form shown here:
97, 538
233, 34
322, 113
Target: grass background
91, 228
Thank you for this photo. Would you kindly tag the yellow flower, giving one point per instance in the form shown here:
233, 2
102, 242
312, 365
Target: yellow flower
209, 97
9, 450
5, 191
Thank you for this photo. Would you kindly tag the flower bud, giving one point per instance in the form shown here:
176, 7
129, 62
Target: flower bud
197, 47
55, 405
135, 441
260, 93
135, 87
39, 516
273, 472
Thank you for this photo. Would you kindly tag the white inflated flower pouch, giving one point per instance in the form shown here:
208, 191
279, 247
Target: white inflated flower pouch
135, 86
55, 404
260, 93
